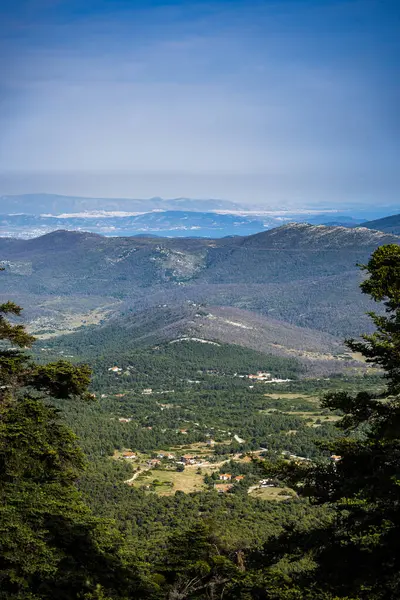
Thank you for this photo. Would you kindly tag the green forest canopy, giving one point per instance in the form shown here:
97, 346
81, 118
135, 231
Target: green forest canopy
338, 540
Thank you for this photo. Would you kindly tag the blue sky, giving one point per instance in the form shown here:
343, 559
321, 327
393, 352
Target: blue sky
274, 103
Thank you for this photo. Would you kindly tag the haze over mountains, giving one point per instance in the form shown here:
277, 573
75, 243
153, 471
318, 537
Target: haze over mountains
37, 204
31, 215
165, 223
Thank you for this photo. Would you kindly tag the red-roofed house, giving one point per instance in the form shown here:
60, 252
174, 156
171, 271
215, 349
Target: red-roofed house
129, 454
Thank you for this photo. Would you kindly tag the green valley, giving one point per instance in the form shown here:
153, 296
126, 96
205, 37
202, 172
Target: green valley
203, 454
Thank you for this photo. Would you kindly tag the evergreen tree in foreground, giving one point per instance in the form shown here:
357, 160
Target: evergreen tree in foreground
357, 556
51, 546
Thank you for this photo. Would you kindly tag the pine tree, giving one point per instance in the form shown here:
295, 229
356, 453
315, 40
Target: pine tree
51, 546
357, 554
194, 566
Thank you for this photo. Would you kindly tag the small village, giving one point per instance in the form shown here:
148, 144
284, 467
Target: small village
260, 377
167, 472
199, 466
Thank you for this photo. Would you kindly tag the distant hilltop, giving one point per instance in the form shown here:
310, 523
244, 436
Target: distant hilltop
387, 225
303, 274
37, 204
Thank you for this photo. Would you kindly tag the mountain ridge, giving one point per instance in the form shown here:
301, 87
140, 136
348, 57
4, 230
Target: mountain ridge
293, 273
291, 233
39, 203
168, 223
301, 234
389, 224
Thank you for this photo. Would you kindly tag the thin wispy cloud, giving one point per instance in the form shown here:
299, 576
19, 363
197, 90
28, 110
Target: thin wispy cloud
253, 101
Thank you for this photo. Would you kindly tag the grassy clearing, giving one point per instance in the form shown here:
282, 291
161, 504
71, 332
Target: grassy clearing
272, 493
314, 416
358, 357
197, 448
187, 481
68, 322
292, 396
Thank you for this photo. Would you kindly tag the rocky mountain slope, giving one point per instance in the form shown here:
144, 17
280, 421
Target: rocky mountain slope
305, 275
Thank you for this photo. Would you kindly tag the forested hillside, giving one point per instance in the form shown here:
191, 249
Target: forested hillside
191, 468
387, 224
317, 352
293, 274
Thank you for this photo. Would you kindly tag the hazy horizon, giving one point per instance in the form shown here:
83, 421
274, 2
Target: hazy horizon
103, 185
289, 104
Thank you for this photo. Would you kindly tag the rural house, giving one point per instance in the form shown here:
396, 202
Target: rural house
129, 455
188, 459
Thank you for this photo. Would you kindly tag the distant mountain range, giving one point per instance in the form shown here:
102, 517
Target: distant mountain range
31, 215
37, 204
302, 274
168, 223
158, 223
388, 224
164, 223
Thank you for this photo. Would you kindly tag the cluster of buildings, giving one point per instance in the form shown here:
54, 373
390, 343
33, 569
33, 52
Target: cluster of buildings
266, 377
189, 459
186, 459
155, 462
167, 455
223, 488
260, 376
229, 477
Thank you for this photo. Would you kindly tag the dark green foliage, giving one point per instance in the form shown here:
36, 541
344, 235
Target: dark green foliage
165, 362
15, 334
357, 555
341, 542
148, 522
18, 372
195, 565
383, 284
61, 379
51, 545
204, 412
